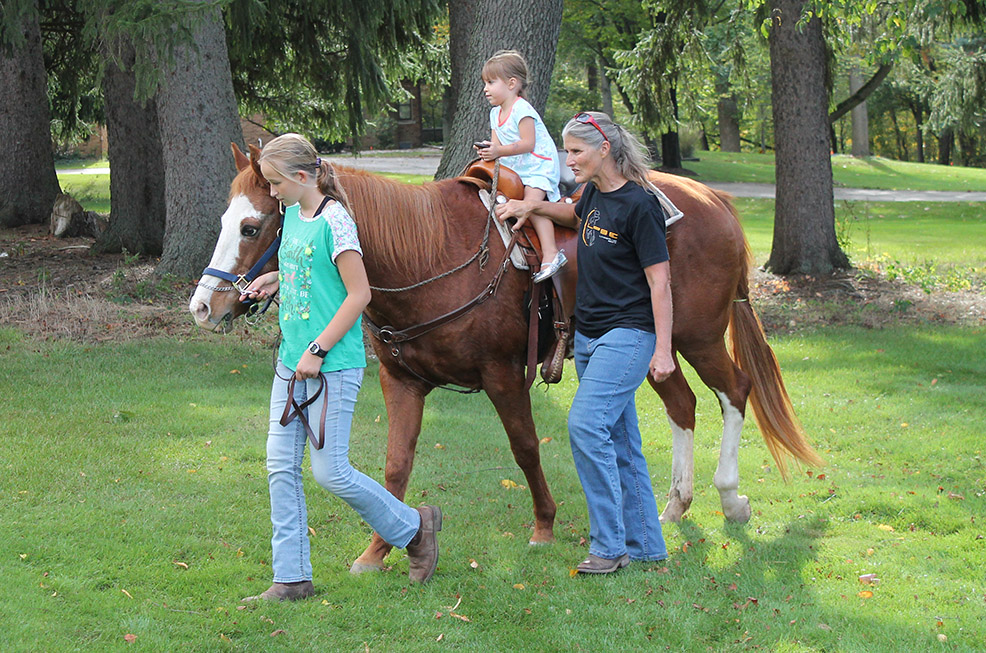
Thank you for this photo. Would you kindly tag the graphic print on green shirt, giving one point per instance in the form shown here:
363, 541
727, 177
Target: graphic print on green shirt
311, 288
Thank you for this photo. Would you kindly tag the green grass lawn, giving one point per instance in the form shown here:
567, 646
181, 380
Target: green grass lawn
133, 499
847, 171
914, 232
92, 191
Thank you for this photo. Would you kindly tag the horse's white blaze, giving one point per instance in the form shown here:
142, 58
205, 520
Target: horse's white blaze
727, 472
223, 258
682, 472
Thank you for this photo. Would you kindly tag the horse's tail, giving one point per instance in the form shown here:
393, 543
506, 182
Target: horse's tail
772, 407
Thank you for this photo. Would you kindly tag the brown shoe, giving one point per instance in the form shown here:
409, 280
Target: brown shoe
284, 592
596, 565
423, 549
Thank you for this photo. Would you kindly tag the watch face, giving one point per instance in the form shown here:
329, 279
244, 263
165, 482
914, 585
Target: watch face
313, 348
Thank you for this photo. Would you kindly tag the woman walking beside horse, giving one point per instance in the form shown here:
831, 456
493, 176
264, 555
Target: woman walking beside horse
623, 333
323, 290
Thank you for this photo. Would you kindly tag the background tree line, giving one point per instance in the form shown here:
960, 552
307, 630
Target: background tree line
169, 79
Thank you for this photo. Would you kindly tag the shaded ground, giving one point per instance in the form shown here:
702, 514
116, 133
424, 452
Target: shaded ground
58, 288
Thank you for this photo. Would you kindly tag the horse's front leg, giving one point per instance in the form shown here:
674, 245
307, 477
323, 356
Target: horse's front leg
504, 384
405, 404
679, 404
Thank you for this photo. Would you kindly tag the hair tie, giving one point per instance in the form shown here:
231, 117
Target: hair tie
318, 162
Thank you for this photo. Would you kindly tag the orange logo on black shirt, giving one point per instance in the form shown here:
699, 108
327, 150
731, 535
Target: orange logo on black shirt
591, 229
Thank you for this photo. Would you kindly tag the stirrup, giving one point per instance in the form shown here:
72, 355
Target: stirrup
552, 368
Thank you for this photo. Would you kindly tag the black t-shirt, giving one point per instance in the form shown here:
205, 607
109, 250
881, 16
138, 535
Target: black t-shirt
621, 232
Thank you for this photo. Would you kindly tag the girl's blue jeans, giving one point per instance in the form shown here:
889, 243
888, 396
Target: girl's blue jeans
606, 445
395, 521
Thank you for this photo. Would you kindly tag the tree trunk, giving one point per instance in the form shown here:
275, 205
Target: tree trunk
899, 135
860, 118
605, 90
528, 27
945, 143
804, 215
729, 132
670, 145
197, 116
137, 194
918, 114
670, 151
28, 184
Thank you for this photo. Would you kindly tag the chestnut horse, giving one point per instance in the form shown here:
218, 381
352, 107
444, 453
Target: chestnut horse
413, 233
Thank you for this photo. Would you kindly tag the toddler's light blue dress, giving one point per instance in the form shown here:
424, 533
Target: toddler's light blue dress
540, 168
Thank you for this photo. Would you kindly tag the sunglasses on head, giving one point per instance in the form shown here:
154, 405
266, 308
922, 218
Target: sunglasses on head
586, 119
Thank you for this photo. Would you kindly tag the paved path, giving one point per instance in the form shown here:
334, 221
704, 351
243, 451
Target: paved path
425, 162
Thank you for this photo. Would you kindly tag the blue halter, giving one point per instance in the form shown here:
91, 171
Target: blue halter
241, 281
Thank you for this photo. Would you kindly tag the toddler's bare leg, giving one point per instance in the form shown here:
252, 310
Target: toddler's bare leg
543, 227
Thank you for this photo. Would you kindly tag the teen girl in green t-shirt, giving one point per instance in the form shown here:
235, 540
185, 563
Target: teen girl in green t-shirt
323, 290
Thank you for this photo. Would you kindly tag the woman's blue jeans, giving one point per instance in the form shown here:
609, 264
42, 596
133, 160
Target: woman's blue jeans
606, 445
395, 521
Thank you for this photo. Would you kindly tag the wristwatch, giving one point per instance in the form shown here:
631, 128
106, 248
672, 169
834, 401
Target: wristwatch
315, 348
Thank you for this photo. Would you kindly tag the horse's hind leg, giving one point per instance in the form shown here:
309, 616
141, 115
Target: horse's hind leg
505, 388
679, 404
405, 404
732, 387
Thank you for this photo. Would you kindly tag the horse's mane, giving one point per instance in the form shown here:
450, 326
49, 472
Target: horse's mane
404, 225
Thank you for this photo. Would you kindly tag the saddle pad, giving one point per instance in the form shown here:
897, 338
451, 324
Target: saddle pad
516, 256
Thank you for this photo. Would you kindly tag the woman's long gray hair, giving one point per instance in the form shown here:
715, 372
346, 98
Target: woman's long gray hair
628, 153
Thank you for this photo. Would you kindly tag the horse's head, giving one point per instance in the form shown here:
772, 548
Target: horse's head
249, 226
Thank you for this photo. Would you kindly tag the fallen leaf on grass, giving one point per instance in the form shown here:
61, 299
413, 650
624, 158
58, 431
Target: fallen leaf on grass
885, 527
573, 572
459, 616
473, 564
130, 638
957, 497
183, 565
279, 631
869, 579
128, 594
519, 586
440, 637
508, 484
865, 594
545, 440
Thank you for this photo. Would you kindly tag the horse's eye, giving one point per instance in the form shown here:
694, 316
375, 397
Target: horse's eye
249, 231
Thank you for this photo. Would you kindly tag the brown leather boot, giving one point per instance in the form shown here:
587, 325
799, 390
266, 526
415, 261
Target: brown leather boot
285, 592
422, 551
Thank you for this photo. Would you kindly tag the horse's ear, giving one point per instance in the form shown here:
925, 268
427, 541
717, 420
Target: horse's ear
255, 162
241, 159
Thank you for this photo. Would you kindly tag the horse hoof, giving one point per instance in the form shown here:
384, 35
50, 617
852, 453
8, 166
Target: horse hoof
739, 513
533, 542
363, 567
670, 516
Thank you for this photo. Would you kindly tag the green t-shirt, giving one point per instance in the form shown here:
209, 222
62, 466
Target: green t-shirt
311, 290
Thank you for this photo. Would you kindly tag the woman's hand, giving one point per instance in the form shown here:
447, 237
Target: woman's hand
661, 365
262, 287
517, 209
308, 367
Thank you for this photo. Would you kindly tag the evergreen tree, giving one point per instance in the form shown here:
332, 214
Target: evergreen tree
28, 184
